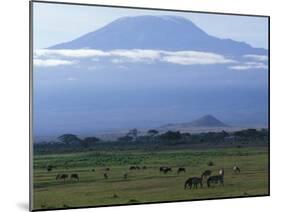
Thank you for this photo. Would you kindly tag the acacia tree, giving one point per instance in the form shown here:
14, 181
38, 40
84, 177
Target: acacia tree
125, 138
152, 133
171, 135
88, 141
68, 138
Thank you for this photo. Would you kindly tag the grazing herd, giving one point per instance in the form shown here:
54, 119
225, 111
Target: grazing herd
66, 176
192, 182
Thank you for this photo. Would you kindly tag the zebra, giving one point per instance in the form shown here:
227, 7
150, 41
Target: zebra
215, 179
236, 169
221, 172
193, 181
206, 173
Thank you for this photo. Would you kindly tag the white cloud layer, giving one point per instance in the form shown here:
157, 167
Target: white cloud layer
249, 65
194, 58
57, 57
51, 62
256, 57
134, 55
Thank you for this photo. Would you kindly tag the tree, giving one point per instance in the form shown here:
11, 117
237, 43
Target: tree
89, 141
152, 133
186, 135
68, 138
171, 135
125, 138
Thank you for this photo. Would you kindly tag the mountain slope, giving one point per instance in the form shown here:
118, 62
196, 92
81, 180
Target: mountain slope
157, 32
205, 121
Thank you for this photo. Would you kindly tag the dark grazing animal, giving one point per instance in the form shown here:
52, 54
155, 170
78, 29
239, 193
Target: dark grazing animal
49, 168
161, 169
107, 169
105, 176
62, 177
167, 169
206, 173
193, 181
188, 182
74, 176
215, 180
93, 170
180, 170
236, 169
132, 168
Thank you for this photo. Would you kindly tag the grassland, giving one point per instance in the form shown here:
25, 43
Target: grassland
145, 185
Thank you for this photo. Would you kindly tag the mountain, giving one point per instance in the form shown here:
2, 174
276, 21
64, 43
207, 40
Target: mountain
207, 121
172, 33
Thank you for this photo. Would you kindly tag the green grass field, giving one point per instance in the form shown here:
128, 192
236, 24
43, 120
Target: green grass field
148, 185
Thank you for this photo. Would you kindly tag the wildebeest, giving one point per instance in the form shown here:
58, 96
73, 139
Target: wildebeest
193, 181
221, 172
236, 169
206, 173
74, 176
181, 169
162, 168
61, 177
167, 169
93, 170
105, 176
49, 168
215, 179
107, 169
132, 168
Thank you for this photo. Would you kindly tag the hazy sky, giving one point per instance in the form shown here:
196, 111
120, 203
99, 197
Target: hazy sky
56, 23
89, 91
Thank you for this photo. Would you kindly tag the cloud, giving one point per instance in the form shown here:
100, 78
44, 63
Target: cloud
194, 58
249, 65
74, 53
52, 62
256, 57
137, 56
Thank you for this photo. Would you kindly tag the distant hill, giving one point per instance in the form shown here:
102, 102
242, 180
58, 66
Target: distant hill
207, 121
146, 32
